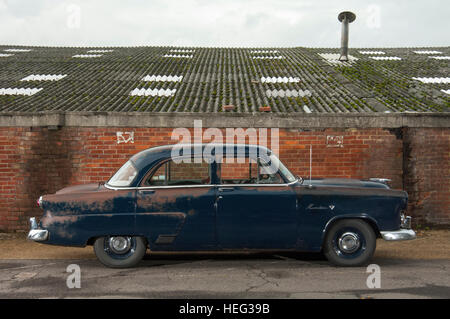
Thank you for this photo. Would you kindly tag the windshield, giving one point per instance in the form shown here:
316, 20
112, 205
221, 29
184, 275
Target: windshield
284, 171
124, 176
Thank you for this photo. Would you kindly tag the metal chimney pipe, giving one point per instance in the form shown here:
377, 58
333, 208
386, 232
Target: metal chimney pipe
345, 17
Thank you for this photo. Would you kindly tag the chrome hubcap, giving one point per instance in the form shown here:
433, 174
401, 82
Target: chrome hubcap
120, 244
349, 242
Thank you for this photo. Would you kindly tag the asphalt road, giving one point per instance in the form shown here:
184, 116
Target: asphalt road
225, 276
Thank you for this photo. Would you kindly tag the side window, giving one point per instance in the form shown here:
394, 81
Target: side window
248, 171
238, 171
171, 174
159, 176
266, 176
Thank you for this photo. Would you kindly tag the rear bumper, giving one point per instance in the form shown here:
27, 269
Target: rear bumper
402, 234
36, 234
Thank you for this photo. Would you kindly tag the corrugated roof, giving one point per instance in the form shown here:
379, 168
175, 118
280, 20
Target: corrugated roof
215, 77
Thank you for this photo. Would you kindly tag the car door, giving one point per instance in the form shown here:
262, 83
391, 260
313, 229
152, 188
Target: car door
253, 213
175, 207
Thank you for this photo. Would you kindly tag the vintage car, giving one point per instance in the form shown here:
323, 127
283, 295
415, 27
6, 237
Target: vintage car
222, 197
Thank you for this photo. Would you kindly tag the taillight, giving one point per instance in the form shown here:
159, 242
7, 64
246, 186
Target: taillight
39, 201
405, 221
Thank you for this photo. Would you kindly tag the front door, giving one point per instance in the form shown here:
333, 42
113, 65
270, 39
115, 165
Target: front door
176, 207
254, 210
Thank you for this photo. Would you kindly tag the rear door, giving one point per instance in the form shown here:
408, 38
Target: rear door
254, 212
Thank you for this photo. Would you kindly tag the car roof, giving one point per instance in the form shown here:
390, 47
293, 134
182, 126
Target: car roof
155, 154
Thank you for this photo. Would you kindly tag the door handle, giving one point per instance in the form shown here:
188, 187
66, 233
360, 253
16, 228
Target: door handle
146, 191
226, 189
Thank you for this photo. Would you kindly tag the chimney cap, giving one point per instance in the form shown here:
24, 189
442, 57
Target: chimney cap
347, 14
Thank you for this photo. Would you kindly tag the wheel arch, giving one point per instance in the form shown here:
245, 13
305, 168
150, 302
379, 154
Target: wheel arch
91, 240
369, 220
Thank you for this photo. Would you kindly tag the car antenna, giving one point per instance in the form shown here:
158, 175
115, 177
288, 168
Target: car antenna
310, 164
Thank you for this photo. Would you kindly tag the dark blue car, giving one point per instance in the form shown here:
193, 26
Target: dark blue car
218, 197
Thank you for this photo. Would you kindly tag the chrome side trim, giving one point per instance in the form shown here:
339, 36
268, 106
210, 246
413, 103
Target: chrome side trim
253, 185
402, 234
155, 187
193, 186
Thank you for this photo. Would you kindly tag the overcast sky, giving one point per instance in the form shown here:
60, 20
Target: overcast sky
223, 23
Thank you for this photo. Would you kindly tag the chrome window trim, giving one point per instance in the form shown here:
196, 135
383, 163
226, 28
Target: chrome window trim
192, 186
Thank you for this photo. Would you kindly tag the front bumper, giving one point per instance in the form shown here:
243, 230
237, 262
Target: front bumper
402, 234
35, 233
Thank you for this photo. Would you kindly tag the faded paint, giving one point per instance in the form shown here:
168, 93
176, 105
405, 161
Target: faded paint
207, 217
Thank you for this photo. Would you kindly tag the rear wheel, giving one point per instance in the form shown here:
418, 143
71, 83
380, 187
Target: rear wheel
350, 242
120, 251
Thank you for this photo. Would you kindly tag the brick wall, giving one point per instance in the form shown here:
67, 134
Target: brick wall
427, 173
36, 161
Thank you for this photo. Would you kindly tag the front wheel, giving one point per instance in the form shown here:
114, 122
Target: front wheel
350, 242
120, 251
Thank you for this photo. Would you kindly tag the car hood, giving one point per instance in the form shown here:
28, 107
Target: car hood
86, 188
345, 182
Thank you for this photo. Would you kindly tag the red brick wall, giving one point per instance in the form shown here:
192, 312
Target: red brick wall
427, 173
36, 161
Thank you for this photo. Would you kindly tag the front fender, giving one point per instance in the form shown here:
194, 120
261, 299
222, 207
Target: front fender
371, 221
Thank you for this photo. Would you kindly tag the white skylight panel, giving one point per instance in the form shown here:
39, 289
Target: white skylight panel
99, 51
393, 58
440, 57
44, 77
268, 57
280, 80
334, 58
4, 55
306, 109
17, 50
264, 51
372, 52
153, 92
433, 80
163, 78
87, 56
182, 51
182, 56
288, 93
427, 52
19, 91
